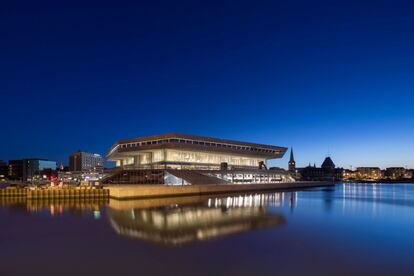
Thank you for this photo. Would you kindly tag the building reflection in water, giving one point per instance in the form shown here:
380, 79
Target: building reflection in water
185, 220
72, 206
55, 207
170, 221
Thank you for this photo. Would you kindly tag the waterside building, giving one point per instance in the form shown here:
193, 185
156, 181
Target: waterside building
178, 159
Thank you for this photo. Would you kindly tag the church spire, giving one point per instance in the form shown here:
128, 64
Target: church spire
292, 163
292, 159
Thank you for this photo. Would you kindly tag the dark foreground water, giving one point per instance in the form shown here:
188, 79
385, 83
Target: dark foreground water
348, 229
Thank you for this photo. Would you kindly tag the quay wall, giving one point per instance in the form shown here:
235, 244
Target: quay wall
146, 190
13, 192
151, 191
67, 193
54, 193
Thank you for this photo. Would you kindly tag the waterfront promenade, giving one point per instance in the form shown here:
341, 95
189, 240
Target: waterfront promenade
147, 191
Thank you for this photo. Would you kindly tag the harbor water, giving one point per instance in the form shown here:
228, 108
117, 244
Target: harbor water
346, 229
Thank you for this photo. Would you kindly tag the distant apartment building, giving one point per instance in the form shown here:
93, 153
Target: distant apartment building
395, 173
409, 173
349, 174
81, 161
369, 173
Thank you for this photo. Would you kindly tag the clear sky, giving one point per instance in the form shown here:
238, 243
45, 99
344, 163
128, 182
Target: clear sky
326, 77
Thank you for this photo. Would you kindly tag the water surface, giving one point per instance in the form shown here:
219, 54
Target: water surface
347, 229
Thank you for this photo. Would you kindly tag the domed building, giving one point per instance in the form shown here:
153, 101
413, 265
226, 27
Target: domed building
327, 171
328, 164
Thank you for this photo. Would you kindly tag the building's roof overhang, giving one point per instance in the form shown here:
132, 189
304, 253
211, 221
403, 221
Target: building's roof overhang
200, 143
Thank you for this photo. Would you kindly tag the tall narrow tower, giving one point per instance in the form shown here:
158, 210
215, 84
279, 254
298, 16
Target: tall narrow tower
292, 163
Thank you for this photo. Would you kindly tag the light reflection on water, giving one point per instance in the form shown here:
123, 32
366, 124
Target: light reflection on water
200, 218
345, 229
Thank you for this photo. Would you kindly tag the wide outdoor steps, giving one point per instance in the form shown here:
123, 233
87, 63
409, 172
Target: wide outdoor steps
196, 178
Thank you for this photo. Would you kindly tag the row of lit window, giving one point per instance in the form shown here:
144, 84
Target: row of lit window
248, 175
202, 143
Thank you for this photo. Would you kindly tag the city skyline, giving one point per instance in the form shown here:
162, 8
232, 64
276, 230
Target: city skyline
230, 137
282, 162
332, 79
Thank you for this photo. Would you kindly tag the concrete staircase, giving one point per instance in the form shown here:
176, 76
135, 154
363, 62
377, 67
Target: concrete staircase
196, 178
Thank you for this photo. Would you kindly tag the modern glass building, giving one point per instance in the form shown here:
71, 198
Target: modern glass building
181, 151
34, 168
181, 159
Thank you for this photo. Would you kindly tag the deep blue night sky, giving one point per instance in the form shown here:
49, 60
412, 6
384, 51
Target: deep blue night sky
326, 77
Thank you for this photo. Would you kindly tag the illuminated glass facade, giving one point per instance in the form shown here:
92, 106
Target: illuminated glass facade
176, 158
33, 168
178, 151
180, 159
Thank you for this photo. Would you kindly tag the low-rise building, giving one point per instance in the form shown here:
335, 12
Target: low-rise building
409, 173
395, 173
76, 177
349, 174
369, 173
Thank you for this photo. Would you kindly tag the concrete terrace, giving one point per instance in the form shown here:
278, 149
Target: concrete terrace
147, 191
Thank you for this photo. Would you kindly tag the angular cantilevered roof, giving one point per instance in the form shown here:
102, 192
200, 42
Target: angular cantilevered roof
198, 143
